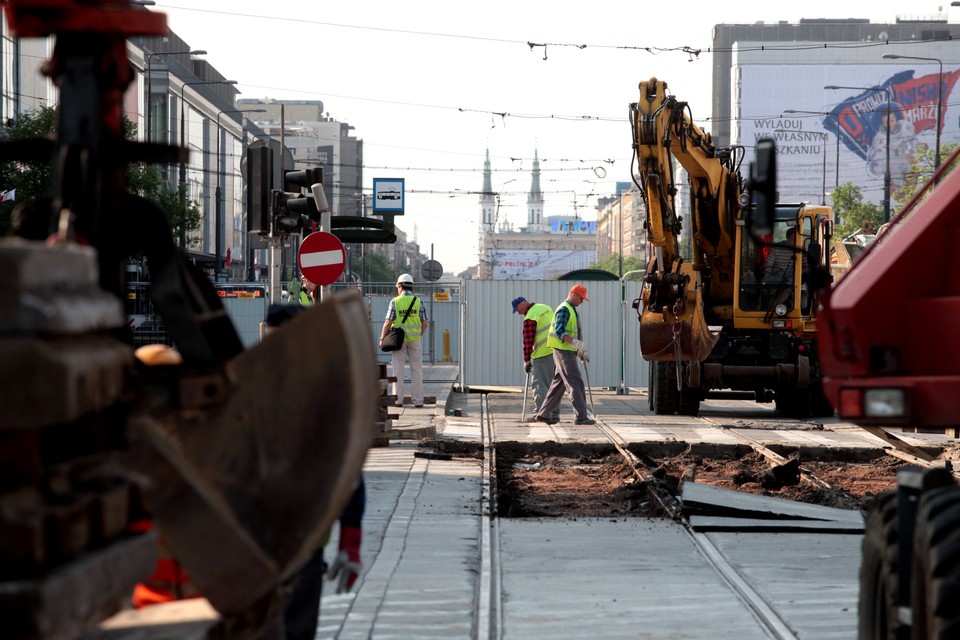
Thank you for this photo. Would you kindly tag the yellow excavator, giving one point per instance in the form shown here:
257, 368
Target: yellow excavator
730, 309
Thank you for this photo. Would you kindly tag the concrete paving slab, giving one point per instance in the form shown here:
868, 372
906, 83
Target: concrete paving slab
560, 580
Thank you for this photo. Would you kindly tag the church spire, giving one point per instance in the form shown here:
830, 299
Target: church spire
487, 199
535, 199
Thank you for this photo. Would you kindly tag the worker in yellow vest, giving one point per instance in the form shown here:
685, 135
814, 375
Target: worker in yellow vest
537, 354
410, 314
566, 339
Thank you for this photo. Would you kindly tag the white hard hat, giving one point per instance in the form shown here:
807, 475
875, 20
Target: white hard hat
405, 278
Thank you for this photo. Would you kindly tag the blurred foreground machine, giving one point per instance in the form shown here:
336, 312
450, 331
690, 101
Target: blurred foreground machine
242, 459
722, 319
890, 351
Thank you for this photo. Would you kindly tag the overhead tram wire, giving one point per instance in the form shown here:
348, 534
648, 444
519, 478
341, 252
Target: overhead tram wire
694, 52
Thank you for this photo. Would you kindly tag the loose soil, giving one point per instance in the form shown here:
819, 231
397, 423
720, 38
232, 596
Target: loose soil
602, 484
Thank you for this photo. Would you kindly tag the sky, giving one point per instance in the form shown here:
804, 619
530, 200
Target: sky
431, 86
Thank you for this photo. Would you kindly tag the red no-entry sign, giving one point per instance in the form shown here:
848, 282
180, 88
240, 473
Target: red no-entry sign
321, 258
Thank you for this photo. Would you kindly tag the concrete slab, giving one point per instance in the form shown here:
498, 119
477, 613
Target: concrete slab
705, 499
602, 578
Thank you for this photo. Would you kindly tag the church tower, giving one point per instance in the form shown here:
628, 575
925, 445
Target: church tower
535, 200
487, 199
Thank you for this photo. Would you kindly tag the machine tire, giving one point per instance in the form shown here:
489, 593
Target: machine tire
820, 407
877, 609
689, 401
935, 580
785, 400
651, 383
665, 397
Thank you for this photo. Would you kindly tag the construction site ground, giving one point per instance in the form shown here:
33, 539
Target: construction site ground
562, 539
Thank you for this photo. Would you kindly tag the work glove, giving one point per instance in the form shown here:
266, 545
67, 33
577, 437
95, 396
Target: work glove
346, 566
581, 348
527, 366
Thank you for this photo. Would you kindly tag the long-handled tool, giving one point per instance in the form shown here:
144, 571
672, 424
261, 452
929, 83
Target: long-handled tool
526, 388
586, 375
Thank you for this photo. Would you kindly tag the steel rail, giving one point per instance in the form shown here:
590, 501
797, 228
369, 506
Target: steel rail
488, 620
775, 625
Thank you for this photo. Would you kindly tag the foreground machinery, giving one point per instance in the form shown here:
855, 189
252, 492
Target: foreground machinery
730, 317
240, 459
890, 352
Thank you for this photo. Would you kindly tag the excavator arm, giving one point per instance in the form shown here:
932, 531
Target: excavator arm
682, 296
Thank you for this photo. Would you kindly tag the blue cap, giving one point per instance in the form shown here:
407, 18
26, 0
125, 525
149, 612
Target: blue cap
516, 302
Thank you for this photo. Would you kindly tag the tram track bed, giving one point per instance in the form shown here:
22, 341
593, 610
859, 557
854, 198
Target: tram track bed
591, 480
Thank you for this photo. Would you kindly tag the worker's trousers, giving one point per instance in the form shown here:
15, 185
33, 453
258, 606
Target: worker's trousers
543, 370
566, 378
413, 352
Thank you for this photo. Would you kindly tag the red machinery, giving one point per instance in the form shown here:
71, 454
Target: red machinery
890, 344
890, 353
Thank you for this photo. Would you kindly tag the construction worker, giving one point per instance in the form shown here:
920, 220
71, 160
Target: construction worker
407, 312
566, 339
537, 354
308, 292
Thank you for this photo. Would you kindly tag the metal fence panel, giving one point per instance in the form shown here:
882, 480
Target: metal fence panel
442, 341
493, 336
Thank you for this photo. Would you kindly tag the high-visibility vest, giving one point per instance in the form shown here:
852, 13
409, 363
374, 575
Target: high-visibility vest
412, 327
306, 300
570, 329
543, 315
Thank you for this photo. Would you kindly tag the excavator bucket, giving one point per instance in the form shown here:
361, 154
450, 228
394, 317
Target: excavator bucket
660, 333
251, 469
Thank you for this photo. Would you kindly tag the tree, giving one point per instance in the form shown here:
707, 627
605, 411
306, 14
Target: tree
921, 171
373, 267
31, 179
612, 264
850, 211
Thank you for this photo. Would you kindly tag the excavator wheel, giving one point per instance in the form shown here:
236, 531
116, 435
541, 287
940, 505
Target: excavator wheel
666, 398
820, 407
651, 383
878, 572
689, 404
935, 581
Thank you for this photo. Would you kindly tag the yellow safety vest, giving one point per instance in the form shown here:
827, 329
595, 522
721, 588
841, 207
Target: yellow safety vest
306, 300
412, 328
544, 318
570, 328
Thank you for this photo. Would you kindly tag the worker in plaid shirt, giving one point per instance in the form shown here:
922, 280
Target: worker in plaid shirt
537, 356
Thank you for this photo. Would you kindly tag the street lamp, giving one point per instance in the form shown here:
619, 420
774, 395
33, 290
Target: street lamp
836, 179
936, 157
886, 172
149, 82
218, 204
183, 164
823, 184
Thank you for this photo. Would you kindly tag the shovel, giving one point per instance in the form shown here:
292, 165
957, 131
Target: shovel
526, 388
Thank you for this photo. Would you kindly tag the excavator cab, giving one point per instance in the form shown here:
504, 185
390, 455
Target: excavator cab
774, 287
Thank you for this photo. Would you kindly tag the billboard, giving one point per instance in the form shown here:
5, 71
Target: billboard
537, 264
835, 136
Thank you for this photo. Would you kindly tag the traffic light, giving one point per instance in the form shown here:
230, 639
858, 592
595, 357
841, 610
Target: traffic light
291, 211
291, 208
259, 170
